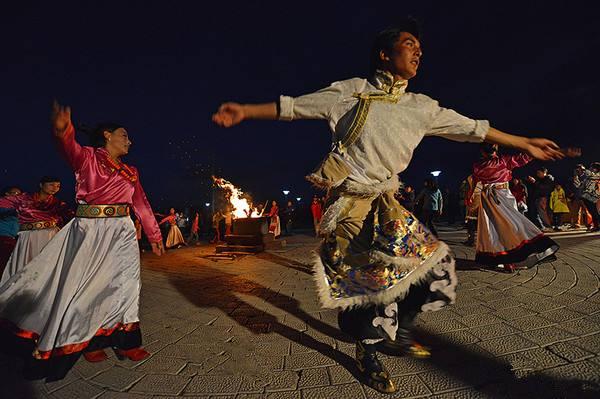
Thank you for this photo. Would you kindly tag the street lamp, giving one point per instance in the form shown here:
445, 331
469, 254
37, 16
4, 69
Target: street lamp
298, 199
286, 192
207, 204
436, 173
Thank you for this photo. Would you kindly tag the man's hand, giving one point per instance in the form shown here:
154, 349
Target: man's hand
543, 149
157, 248
229, 114
61, 118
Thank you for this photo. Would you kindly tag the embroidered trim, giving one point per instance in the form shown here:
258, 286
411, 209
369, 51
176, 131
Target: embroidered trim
357, 125
42, 225
69, 348
102, 211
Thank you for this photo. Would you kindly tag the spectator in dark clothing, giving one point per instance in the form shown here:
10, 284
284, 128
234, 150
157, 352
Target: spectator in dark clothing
432, 201
543, 185
287, 216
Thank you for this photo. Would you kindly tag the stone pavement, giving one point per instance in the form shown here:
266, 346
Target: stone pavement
252, 328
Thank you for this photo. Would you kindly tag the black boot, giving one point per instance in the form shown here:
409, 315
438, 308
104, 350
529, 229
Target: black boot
375, 375
404, 344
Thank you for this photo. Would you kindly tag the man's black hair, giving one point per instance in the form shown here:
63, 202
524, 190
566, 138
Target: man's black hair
385, 40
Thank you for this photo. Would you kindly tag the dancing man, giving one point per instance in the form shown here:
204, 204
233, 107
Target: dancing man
505, 236
377, 263
81, 293
40, 216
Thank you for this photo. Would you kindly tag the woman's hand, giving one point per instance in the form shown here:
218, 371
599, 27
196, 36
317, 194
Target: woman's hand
543, 149
61, 118
229, 114
157, 248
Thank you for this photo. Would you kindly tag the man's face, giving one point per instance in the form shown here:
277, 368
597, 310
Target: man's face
540, 174
405, 57
50, 188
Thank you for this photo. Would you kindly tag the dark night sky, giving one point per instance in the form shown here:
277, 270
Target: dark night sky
162, 68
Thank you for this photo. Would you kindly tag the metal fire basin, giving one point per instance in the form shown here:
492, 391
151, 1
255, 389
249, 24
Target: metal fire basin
249, 235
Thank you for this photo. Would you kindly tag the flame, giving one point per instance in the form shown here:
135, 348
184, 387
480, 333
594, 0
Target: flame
241, 207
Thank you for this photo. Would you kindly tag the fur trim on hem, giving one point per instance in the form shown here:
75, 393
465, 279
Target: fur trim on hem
319, 182
369, 190
331, 215
396, 292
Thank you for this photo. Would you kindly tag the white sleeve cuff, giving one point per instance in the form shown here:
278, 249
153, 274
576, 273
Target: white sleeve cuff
286, 108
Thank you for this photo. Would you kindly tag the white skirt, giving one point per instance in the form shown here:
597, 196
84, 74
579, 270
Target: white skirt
29, 244
505, 235
85, 282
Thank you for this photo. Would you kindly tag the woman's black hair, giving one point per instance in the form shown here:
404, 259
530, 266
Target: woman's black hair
385, 40
96, 134
488, 148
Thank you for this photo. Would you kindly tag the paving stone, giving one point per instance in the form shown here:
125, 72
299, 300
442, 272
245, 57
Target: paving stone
528, 323
340, 375
283, 381
123, 395
547, 335
409, 386
504, 303
213, 384
561, 315
532, 297
462, 337
533, 359
470, 309
338, 391
284, 395
480, 320
313, 378
161, 364
586, 307
118, 378
543, 306
161, 384
469, 393
307, 360
569, 351
590, 343
506, 345
580, 327
442, 381
77, 390
568, 299
513, 313
492, 331
88, 369
444, 326
575, 371
55, 385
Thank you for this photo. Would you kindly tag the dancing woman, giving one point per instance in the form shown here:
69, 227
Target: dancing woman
174, 238
505, 236
377, 263
40, 216
81, 293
